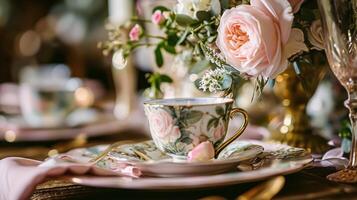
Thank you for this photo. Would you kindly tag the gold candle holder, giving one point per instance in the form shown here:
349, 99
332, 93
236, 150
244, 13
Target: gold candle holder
295, 91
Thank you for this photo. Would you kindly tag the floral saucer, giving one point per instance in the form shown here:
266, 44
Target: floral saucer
152, 162
277, 159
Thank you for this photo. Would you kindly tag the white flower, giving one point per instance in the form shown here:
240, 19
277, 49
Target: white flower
118, 60
315, 35
190, 7
212, 80
295, 43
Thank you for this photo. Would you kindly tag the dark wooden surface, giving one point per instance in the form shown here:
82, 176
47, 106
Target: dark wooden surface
307, 184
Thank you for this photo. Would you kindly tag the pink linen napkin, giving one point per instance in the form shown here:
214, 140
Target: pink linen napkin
332, 158
20, 176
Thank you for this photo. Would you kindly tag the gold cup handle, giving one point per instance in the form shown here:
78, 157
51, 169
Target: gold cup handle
238, 132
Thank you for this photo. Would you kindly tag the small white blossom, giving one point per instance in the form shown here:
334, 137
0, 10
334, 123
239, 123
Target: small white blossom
190, 7
212, 80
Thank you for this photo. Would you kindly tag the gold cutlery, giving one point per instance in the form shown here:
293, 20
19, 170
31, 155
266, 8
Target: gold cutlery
264, 191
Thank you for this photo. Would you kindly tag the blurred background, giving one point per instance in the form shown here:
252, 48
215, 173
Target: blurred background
34, 32
48, 46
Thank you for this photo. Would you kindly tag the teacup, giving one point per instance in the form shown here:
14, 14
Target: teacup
46, 107
178, 125
47, 95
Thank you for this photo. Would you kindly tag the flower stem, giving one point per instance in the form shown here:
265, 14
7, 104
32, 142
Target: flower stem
140, 20
155, 36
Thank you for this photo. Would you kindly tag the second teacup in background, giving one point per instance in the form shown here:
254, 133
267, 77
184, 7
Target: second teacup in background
47, 95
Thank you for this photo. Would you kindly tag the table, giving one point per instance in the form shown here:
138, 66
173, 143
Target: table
307, 184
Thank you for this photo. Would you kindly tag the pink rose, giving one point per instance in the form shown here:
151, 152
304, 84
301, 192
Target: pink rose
252, 37
163, 125
219, 132
315, 35
157, 17
135, 33
202, 152
296, 4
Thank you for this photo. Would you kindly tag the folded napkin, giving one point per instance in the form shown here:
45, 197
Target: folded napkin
20, 176
332, 158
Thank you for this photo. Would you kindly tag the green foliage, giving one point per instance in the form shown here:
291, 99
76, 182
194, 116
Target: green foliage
199, 66
155, 80
203, 16
161, 8
346, 130
198, 34
184, 20
159, 59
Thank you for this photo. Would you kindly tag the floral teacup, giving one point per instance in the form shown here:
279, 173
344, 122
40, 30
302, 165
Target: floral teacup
178, 125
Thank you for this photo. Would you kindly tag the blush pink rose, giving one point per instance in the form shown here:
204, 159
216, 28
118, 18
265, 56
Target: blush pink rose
219, 132
296, 4
135, 33
252, 37
202, 152
157, 17
163, 125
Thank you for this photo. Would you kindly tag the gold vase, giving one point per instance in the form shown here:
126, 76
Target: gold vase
295, 91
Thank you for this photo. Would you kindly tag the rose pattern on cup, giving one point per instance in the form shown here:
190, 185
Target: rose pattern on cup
178, 129
163, 125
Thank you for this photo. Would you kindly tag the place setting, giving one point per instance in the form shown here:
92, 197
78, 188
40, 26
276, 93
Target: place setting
174, 162
178, 99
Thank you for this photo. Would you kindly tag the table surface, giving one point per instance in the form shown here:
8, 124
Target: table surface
307, 184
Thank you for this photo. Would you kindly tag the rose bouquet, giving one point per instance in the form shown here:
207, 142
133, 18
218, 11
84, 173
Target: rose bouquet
228, 41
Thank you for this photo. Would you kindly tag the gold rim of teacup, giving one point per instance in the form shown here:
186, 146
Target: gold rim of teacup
174, 101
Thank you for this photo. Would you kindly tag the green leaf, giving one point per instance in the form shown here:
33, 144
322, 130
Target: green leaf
158, 56
212, 123
220, 110
193, 116
212, 39
197, 83
184, 20
183, 36
203, 15
226, 82
172, 39
161, 8
165, 78
169, 48
199, 66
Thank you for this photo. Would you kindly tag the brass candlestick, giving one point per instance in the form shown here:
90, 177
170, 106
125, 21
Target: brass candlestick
295, 91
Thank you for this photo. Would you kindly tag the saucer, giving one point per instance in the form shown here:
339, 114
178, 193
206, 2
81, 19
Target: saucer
194, 182
16, 130
78, 118
152, 162
277, 159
